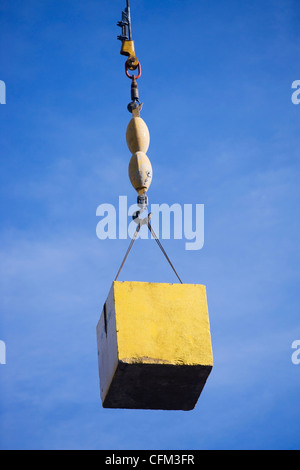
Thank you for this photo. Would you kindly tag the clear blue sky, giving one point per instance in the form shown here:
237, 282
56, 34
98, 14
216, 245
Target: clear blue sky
216, 88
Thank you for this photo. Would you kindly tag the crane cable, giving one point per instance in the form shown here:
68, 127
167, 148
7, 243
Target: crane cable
132, 63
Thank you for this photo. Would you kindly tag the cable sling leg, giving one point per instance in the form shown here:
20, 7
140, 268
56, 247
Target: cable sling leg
129, 248
162, 249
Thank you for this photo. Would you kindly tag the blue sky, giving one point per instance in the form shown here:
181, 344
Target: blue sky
216, 88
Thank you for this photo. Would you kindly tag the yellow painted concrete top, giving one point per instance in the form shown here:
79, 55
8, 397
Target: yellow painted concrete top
162, 323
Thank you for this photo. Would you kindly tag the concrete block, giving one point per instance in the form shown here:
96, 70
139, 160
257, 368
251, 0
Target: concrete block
154, 346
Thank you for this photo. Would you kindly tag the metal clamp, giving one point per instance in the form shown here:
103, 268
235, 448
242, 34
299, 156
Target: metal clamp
138, 220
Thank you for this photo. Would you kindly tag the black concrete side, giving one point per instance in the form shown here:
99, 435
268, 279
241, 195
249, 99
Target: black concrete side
156, 386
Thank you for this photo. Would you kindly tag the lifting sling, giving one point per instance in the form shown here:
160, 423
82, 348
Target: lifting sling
136, 140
